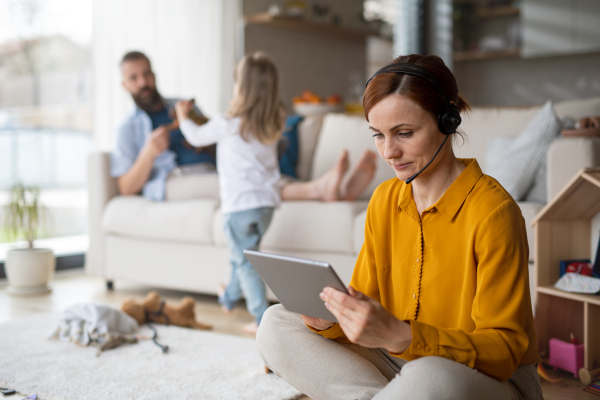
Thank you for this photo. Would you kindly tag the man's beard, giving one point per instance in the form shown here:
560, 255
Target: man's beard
148, 103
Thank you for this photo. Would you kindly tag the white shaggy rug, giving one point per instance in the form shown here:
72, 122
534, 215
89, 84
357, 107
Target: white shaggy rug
199, 365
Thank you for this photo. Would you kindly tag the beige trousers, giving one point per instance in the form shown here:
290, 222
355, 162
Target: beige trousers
325, 369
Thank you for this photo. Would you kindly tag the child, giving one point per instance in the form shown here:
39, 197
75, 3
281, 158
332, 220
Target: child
248, 169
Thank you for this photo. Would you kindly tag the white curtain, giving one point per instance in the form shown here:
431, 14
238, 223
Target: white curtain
193, 46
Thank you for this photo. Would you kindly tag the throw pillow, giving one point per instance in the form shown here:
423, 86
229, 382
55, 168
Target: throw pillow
516, 162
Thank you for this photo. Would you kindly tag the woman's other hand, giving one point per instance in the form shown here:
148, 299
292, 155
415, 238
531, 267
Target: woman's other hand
183, 108
366, 322
317, 323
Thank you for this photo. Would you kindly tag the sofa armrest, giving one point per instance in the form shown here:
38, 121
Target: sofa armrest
101, 188
566, 156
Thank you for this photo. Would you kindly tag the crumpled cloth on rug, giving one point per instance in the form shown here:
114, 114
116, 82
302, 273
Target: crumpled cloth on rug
91, 323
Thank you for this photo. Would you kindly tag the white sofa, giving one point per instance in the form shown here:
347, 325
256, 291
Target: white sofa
181, 245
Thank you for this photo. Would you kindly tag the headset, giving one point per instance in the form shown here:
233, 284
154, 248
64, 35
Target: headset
448, 120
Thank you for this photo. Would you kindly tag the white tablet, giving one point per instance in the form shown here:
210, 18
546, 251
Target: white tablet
297, 282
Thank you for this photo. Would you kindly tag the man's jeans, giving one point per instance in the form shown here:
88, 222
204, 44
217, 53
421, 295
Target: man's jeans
244, 230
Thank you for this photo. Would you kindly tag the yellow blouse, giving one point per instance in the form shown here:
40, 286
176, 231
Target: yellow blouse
458, 273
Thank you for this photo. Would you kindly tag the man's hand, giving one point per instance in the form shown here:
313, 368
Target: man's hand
366, 322
183, 108
317, 323
158, 141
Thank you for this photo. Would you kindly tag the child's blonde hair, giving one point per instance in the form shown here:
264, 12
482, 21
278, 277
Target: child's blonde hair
256, 99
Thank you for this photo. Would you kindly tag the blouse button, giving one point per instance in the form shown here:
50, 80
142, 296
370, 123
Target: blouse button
417, 260
414, 296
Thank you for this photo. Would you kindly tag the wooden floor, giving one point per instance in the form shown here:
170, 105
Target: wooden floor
73, 287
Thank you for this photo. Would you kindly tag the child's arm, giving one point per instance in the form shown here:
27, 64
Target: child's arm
197, 135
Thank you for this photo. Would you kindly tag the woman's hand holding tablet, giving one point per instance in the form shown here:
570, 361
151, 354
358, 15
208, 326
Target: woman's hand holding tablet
365, 321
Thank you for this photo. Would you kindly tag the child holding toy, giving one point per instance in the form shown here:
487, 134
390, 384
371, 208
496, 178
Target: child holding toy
248, 167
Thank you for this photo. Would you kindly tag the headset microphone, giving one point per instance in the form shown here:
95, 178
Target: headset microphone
409, 180
448, 120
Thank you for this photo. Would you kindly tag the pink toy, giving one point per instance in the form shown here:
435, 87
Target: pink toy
566, 356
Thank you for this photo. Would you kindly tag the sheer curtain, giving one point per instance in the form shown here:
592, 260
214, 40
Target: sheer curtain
193, 46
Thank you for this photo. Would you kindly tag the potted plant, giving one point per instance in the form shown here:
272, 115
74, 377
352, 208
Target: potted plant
29, 269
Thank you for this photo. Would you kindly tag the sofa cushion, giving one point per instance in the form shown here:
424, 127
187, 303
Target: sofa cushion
529, 211
578, 109
516, 162
358, 237
352, 133
185, 221
308, 134
192, 185
481, 123
307, 226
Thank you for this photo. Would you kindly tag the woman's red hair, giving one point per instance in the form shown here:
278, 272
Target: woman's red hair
419, 90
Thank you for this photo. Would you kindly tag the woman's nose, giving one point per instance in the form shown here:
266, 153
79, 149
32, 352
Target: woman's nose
391, 149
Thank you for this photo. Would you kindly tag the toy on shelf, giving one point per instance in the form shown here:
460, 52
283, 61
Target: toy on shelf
582, 267
566, 356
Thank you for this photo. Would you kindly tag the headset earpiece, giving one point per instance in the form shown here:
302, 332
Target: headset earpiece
449, 120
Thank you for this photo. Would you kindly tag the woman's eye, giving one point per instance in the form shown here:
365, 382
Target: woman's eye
378, 135
405, 134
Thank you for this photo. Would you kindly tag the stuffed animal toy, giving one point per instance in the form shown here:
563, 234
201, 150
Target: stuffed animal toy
153, 309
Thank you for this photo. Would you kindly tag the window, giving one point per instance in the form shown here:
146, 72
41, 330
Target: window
46, 110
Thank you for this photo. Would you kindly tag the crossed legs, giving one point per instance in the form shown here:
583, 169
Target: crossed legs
325, 369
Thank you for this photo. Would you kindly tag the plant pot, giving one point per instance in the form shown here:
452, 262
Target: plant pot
29, 270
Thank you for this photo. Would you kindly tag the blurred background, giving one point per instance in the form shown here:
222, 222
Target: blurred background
61, 97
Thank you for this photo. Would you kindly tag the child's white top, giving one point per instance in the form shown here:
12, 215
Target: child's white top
248, 170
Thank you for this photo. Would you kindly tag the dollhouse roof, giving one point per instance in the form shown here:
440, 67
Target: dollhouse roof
579, 199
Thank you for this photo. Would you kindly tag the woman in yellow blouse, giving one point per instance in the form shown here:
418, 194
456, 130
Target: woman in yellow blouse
439, 304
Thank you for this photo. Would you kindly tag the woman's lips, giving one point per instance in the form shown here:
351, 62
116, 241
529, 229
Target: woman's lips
400, 166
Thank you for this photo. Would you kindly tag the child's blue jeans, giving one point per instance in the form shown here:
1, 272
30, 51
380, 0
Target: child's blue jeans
244, 230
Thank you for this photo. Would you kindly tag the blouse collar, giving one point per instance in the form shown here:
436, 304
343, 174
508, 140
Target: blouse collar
453, 198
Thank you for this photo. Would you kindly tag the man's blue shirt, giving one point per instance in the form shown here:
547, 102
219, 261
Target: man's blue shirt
131, 137
184, 152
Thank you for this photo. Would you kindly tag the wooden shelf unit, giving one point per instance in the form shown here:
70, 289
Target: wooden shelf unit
563, 232
498, 12
304, 26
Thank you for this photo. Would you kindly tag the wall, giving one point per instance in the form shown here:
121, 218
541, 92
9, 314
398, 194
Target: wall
349, 11
529, 81
192, 45
324, 64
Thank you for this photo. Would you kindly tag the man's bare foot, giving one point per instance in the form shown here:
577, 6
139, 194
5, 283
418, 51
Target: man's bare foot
328, 186
221, 291
361, 176
250, 328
